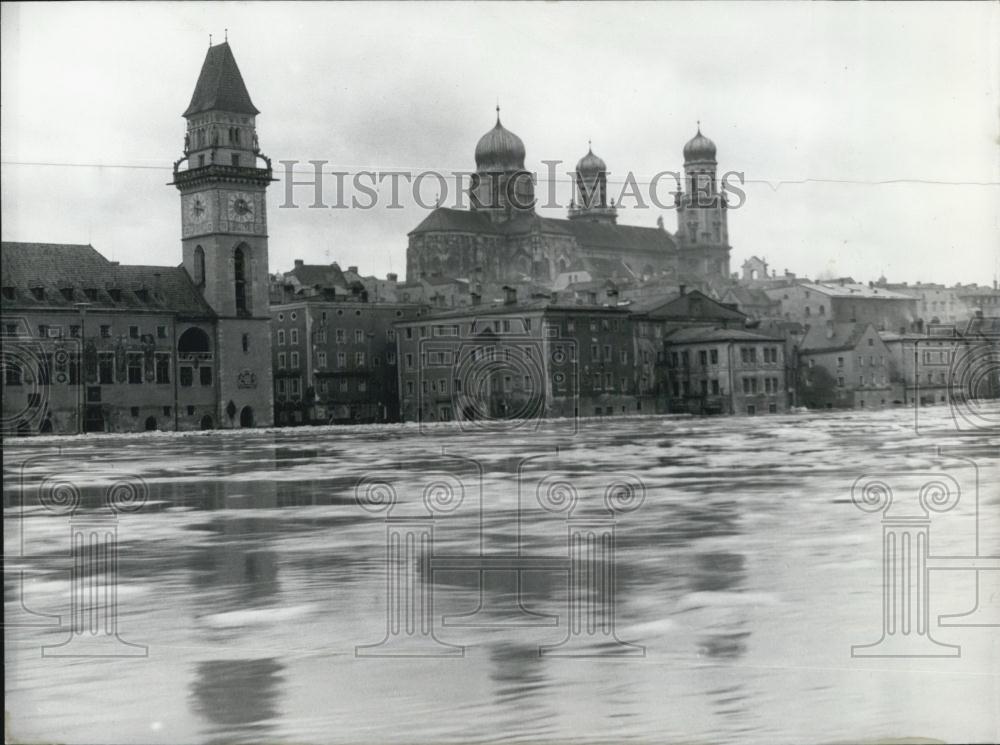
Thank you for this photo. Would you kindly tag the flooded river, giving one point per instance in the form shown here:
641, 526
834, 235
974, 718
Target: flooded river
646, 580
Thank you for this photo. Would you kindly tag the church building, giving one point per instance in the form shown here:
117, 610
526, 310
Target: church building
91, 345
502, 239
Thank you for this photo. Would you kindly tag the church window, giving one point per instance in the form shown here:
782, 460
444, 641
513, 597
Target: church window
199, 265
236, 159
240, 281
201, 161
205, 374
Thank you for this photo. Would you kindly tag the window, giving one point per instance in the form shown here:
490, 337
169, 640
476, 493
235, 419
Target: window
296, 386
133, 332
840, 362
281, 386
409, 387
161, 332
390, 334
74, 369
162, 367
871, 342
703, 358
608, 357
390, 357
187, 376
359, 336
281, 337
281, 360
715, 387
409, 361
240, 281
236, 159
341, 359
359, 359
74, 332
340, 335
594, 353
134, 411
321, 359
293, 337
840, 382
106, 368
362, 386
205, 374
246, 342
293, 360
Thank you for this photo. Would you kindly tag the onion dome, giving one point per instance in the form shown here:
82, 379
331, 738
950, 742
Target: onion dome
699, 147
590, 163
499, 149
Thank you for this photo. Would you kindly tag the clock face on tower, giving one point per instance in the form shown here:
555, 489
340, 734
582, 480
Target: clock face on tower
240, 207
197, 214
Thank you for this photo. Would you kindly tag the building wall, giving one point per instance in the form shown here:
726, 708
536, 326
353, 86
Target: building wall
858, 378
326, 381
807, 305
120, 405
727, 377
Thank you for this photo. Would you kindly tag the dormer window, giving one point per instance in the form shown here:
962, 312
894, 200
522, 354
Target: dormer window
67, 293
9, 293
143, 295
38, 293
116, 295
91, 294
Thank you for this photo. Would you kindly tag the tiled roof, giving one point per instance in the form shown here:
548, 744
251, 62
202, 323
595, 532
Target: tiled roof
832, 337
696, 335
588, 234
318, 275
853, 290
749, 296
220, 86
691, 305
65, 272
445, 219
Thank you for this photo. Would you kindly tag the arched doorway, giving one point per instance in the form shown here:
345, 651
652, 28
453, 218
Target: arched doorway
246, 417
206, 422
151, 424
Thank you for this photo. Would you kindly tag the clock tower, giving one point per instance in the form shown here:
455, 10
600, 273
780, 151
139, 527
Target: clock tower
223, 179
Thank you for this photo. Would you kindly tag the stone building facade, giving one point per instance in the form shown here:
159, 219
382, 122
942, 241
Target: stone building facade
503, 238
91, 345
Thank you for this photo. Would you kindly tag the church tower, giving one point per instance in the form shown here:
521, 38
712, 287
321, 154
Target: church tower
590, 202
501, 187
701, 213
223, 179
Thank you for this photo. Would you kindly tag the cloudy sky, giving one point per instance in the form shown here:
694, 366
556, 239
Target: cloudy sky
867, 133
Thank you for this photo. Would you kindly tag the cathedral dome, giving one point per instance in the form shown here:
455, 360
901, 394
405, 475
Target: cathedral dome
590, 163
699, 147
500, 149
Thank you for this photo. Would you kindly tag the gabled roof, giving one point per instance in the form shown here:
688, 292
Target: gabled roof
691, 305
833, 337
749, 296
318, 275
697, 335
66, 271
220, 86
856, 289
446, 219
587, 234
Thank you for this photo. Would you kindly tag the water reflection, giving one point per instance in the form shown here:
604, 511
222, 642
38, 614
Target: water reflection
237, 699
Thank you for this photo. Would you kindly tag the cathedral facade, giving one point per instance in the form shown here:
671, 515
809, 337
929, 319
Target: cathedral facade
502, 239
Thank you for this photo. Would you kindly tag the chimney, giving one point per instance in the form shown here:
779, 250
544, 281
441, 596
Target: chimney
509, 295
683, 289
352, 269
392, 277
298, 263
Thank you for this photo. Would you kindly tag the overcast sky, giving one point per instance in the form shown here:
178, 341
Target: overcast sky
839, 96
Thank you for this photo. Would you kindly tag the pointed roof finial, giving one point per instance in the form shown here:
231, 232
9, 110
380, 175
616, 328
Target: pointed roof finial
226, 32
210, 40
590, 146
699, 126
498, 111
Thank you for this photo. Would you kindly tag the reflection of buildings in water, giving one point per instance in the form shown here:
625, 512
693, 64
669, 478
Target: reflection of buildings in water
521, 684
237, 698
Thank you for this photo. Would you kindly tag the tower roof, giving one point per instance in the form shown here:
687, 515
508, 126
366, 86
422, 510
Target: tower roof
500, 149
590, 163
220, 85
699, 147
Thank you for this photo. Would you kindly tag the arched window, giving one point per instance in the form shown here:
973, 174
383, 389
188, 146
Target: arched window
193, 340
199, 266
241, 280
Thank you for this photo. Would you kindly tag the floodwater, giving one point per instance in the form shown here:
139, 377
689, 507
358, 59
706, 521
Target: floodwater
469, 589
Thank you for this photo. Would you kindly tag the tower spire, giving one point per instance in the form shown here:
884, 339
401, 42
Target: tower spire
498, 111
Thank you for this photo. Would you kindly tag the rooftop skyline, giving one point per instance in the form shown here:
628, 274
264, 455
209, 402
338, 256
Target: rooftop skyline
869, 145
